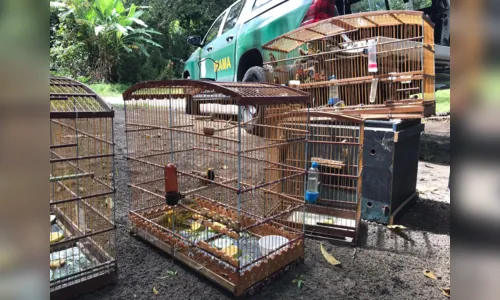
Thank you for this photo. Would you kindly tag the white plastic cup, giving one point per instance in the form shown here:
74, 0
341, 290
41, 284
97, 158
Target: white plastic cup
270, 243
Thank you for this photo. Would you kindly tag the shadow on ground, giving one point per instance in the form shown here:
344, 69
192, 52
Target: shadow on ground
435, 148
427, 215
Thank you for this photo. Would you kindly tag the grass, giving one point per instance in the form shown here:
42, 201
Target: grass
442, 101
116, 90
109, 89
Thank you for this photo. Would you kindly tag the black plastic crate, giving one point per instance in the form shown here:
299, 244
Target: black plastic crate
390, 166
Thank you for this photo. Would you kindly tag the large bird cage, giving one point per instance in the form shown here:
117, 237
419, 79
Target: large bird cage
377, 65
82, 230
203, 187
336, 143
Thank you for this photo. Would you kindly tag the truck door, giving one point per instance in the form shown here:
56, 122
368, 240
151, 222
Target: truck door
224, 47
207, 52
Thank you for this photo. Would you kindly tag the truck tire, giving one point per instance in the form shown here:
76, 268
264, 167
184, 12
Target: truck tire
255, 74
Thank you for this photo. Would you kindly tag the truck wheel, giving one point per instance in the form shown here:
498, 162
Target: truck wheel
254, 74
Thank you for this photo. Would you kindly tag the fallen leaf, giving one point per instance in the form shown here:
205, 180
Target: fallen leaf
396, 227
427, 190
430, 274
329, 258
155, 291
446, 292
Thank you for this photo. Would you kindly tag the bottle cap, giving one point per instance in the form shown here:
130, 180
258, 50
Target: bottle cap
314, 165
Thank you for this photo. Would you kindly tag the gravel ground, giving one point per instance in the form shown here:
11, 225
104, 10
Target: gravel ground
385, 265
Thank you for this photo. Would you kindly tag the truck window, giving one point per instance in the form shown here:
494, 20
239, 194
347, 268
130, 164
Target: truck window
232, 16
259, 3
417, 4
214, 30
368, 5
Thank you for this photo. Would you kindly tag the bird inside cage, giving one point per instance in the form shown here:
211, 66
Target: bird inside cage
210, 174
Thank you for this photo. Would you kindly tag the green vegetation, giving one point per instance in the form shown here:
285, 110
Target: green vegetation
299, 281
118, 41
443, 101
109, 89
100, 31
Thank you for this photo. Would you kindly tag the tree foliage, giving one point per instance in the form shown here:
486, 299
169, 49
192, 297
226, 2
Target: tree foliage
105, 41
92, 36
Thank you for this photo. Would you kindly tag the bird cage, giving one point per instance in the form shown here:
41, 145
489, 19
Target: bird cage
335, 143
203, 187
82, 235
377, 65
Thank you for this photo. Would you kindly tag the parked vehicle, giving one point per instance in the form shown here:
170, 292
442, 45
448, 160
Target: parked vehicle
231, 49
233, 44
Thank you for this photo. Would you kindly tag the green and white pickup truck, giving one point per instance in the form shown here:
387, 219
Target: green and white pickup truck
233, 44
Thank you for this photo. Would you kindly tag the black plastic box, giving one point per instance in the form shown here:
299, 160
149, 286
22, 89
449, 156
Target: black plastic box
390, 159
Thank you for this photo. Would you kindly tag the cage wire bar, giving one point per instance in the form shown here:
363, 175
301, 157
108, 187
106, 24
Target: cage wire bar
335, 142
226, 225
82, 226
402, 86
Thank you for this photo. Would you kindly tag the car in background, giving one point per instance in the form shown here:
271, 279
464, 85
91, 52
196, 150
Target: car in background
231, 49
233, 44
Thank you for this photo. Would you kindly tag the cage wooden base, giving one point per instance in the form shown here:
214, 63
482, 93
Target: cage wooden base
88, 279
224, 283
202, 258
99, 280
327, 222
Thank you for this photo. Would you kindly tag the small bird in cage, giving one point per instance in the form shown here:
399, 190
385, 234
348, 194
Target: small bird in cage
272, 59
211, 174
345, 150
236, 226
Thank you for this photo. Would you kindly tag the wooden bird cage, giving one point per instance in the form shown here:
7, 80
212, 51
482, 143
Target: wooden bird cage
82, 248
203, 187
381, 63
336, 143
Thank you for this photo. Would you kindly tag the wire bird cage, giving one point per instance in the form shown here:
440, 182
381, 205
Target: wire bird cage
203, 187
335, 143
377, 65
82, 235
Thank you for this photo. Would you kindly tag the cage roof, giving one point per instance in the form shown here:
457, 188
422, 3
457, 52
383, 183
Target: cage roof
242, 93
343, 24
72, 99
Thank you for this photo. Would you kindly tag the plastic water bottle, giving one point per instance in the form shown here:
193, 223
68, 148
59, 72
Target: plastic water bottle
312, 191
313, 178
333, 92
372, 56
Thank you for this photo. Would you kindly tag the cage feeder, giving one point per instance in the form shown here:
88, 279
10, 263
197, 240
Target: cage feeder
172, 195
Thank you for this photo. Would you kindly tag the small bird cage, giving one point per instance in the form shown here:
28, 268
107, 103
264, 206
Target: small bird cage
82, 230
335, 143
203, 187
377, 65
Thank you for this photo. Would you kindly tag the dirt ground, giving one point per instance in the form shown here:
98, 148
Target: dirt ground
384, 265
